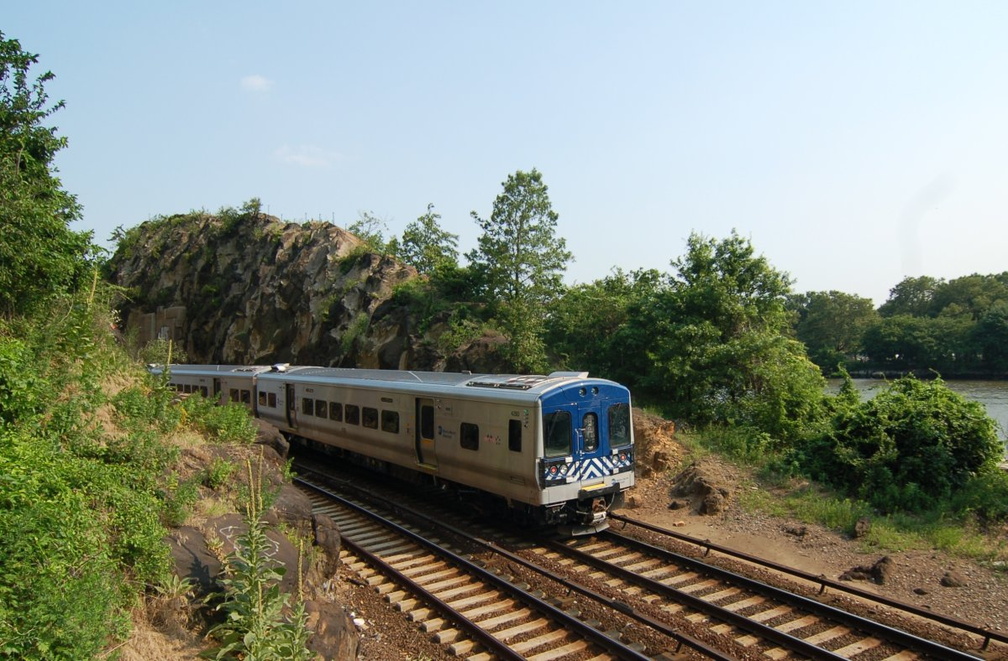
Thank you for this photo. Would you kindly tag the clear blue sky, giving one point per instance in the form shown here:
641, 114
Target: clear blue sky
854, 143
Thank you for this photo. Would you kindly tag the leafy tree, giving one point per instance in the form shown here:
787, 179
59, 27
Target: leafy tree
831, 325
932, 324
427, 246
990, 337
368, 228
721, 350
970, 295
912, 296
520, 262
905, 342
39, 254
596, 327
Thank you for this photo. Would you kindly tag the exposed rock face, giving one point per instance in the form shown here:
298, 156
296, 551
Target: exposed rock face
250, 289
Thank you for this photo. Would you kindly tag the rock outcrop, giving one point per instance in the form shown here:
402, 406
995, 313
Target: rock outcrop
250, 289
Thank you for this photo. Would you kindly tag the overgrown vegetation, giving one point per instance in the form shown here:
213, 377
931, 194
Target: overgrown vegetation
87, 480
80, 501
918, 460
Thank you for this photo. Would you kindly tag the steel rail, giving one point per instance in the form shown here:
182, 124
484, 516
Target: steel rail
681, 638
742, 622
892, 634
486, 638
824, 582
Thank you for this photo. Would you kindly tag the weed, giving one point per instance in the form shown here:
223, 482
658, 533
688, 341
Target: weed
218, 473
260, 623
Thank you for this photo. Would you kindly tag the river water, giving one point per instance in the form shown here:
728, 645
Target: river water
992, 394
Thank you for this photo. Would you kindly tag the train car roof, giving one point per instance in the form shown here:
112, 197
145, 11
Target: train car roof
520, 386
211, 369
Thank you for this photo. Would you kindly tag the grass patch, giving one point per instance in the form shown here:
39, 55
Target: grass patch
814, 504
779, 494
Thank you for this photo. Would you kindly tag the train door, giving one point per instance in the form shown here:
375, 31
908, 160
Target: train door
217, 390
425, 451
291, 406
588, 435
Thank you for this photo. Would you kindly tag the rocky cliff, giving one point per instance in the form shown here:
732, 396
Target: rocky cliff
246, 288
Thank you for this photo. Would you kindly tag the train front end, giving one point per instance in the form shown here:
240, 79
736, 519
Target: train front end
587, 459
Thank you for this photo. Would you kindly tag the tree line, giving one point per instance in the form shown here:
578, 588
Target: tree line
957, 328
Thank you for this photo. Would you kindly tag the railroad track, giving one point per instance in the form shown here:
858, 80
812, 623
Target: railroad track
774, 622
674, 603
982, 636
477, 613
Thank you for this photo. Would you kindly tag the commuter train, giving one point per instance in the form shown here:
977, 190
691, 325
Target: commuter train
556, 450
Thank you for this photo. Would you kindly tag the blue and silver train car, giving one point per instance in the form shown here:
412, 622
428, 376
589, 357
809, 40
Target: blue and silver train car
557, 450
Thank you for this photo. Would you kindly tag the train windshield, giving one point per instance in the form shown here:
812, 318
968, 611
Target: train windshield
619, 425
557, 427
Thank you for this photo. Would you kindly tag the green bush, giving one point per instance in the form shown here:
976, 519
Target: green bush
230, 423
59, 597
179, 498
984, 496
21, 389
218, 473
911, 447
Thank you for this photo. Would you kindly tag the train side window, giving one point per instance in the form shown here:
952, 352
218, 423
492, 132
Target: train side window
262, 398
246, 396
307, 406
335, 411
369, 417
271, 400
186, 388
589, 431
352, 414
557, 433
321, 408
233, 395
514, 435
469, 436
390, 421
203, 391
619, 425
